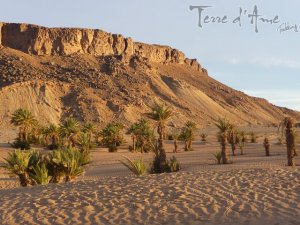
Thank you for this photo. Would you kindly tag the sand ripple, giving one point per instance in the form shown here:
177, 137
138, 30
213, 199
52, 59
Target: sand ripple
253, 196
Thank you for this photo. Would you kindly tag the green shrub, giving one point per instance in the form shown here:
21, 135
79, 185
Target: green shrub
23, 145
32, 167
70, 161
173, 165
138, 167
218, 157
41, 174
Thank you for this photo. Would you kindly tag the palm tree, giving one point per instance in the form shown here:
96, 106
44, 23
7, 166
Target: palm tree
191, 126
224, 126
52, 132
84, 142
90, 130
143, 133
242, 140
253, 137
17, 164
112, 136
161, 114
290, 135
133, 130
232, 138
70, 130
175, 137
187, 135
267, 146
23, 119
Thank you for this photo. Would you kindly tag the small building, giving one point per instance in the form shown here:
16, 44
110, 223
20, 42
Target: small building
297, 125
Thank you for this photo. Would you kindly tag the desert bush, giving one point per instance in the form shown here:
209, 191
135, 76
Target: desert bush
218, 157
112, 136
280, 141
21, 144
84, 142
17, 164
138, 167
32, 167
203, 137
71, 161
41, 174
172, 165
253, 137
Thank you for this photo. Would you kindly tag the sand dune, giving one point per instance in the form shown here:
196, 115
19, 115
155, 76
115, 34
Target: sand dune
253, 196
253, 190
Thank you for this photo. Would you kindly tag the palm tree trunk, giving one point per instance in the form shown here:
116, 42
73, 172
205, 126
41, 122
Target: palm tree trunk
186, 146
142, 145
291, 147
68, 178
175, 146
24, 179
190, 145
233, 148
162, 152
267, 150
133, 143
224, 149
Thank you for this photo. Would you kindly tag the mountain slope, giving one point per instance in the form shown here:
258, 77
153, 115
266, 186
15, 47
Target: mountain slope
94, 75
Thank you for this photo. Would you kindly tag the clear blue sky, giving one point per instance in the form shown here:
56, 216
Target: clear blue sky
264, 64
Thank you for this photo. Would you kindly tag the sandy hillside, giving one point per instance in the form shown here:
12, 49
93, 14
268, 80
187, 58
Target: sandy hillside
97, 76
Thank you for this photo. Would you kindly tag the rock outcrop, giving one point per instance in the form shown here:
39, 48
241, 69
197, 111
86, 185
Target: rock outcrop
37, 40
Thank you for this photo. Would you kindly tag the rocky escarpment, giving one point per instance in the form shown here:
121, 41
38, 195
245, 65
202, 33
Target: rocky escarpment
37, 40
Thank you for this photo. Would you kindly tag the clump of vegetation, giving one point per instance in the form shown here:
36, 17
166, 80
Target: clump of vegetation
160, 113
242, 139
32, 167
218, 157
141, 135
70, 131
253, 137
267, 146
84, 142
188, 134
232, 138
112, 136
280, 141
203, 137
138, 167
290, 136
175, 137
52, 136
25, 121
224, 127
173, 165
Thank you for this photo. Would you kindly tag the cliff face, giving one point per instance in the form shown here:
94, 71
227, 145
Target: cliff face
37, 40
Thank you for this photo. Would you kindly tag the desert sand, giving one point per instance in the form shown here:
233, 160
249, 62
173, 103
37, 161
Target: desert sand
255, 189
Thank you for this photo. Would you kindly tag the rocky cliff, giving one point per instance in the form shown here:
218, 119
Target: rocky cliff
37, 40
96, 76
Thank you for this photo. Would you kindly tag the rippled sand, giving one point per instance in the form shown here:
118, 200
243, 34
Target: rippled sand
253, 190
249, 196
